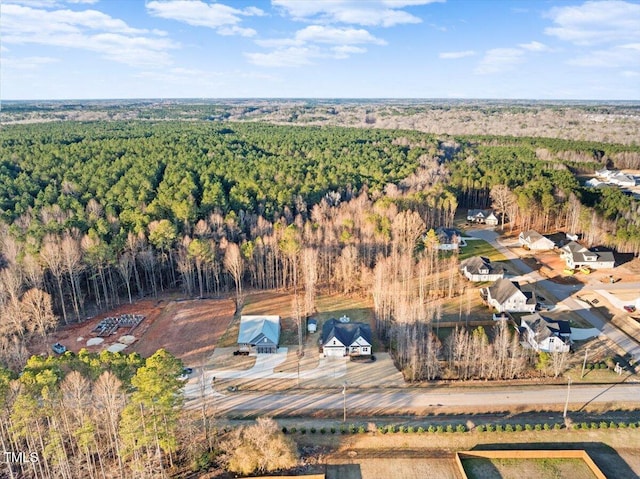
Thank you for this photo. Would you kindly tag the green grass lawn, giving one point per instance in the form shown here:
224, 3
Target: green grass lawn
480, 248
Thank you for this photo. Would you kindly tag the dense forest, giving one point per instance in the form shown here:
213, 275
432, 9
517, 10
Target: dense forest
97, 213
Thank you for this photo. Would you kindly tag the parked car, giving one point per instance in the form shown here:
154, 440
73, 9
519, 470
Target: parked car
629, 308
186, 372
59, 348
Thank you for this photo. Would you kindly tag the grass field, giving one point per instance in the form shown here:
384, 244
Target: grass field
480, 468
480, 248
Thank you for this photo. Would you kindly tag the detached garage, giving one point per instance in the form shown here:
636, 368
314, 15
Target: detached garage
259, 334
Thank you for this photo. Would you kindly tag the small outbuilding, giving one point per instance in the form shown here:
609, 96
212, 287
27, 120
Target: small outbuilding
259, 334
312, 325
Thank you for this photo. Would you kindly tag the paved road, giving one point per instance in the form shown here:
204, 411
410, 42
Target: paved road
417, 400
564, 294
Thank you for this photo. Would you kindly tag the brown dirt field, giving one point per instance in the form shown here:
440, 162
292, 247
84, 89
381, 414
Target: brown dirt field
187, 329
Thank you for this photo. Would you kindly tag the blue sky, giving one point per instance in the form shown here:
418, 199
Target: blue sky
80, 49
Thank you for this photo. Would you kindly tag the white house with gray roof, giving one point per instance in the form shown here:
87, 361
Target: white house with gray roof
535, 241
544, 334
259, 334
577, 256
478, 268
341, 339
506, 296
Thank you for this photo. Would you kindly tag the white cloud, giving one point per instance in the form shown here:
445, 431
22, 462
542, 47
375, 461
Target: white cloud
596, 22
284, 57
616, 57
88, 30
343, 52
630, 74
534, 46
26, 63
456, 55
384, 13
222, 18
499, 60
341, 36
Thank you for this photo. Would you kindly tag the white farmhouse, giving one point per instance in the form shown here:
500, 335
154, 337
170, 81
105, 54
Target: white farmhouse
506, 296
577, 256
543, 334
535, 241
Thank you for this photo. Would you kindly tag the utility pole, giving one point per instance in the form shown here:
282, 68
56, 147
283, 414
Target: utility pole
584, 363
566, 404
344, 402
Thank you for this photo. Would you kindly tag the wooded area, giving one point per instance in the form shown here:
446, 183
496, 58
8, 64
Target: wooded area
94, 214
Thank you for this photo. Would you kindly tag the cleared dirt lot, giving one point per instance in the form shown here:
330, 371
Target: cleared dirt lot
188, 329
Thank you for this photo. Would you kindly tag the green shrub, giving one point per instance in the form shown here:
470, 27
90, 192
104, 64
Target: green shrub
432, 429
489, 427
461, 428
353, 428
303, 430
519, 427
449, 428
632, 425
622, 425
538, 427
575, 426
343, 429
557, 426
391, 428
333, 430
411, 429
604, 425
284, 429
480, 428
508, 428
528, 427
546, 427
595, 425
499, 428
322, 430
312, 430
613, 425
420, 429
440, 428
584, 425
382, 429
292, 430
362, 430
402, 429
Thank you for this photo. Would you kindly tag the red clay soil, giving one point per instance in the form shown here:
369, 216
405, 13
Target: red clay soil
187, 329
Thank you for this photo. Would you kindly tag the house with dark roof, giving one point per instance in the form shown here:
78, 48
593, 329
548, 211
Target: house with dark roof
259, 334
506, 296
535, 241
449, 239
483, 217
577, 256
478, 268
544, 334
341, 339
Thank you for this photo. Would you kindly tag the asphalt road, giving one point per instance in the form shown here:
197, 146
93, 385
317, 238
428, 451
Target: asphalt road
417, 400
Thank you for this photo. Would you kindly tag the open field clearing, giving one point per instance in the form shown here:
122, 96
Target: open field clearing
188, 329
477, 468
373, 455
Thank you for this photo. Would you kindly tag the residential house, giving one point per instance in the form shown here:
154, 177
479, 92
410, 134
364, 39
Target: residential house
449, 239
577, 256
605, 173
506, 296
341, 339
544, 334
259, 334
483, 217
478, 268
622, 179
593, 182
535, 241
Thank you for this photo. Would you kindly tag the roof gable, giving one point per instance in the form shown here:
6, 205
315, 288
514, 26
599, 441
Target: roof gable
254, 328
